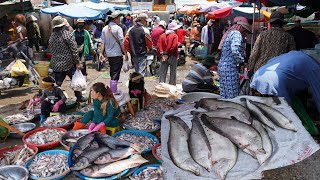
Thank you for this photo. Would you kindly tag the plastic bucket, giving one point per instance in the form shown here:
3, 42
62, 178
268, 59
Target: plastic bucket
42, 69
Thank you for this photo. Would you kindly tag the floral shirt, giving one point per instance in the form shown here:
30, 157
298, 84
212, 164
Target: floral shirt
270, 44
63, 46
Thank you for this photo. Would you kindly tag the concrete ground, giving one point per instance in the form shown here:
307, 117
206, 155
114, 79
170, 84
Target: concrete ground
10, 101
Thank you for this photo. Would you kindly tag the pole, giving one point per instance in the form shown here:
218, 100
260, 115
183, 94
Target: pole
254, 12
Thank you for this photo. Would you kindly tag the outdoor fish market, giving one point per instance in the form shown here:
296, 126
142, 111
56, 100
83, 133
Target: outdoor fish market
86, 91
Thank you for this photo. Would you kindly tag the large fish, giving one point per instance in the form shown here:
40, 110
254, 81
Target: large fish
82, 143
199, 146
257, 113
266, 143
242, 134
214, 104
178, 146
106, 170
116, 155
115, 143
224, 153
229, 113
87, 157
276, 116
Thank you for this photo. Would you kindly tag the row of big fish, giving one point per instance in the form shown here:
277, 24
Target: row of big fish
98, 155
215, 135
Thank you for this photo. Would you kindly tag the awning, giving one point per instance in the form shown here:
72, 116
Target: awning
74, 11
221, 13
15, 7
247, 12
213, 6
102, 7
117, 6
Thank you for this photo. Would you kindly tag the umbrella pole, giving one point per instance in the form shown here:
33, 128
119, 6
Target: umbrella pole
254, 12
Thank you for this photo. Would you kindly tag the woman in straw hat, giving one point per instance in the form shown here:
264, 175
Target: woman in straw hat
232, 47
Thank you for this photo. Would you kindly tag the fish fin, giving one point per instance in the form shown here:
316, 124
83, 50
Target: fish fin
197, 105
243, 146
243, 99
234, 118
195, 113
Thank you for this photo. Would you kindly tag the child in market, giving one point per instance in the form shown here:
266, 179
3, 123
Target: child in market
52, 98
105, 113
136, 90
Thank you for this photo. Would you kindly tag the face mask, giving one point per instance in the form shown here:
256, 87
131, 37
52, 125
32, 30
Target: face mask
81, 26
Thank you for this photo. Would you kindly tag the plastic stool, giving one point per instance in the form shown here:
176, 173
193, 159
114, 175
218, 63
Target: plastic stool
54, 114
112, 129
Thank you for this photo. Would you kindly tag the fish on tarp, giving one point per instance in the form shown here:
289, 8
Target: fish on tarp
224, 152
210, 104
115, 143
83, 142
178, 146
266, 143
87, 157
199, 146
257, 113
275, 116
230, 113
114, 168
116, 155
242, 134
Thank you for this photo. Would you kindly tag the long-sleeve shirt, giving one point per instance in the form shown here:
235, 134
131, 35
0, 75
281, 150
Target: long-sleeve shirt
205, 35
287, 75
63, 46
197, 75
33, 30
155, 35
96, 116
83, 38
168, 44
269, 44
53, 96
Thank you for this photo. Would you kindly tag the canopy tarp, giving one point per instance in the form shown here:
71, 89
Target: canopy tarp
74, 11
103, 7
185, 9
194, 10
117, 6
247, 12
221, 13
212, 6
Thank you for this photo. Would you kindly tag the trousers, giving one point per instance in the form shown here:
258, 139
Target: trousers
172, 62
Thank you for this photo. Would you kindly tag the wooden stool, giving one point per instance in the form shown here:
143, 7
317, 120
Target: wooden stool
112, 129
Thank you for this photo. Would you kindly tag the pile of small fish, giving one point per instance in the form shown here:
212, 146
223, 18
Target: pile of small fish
158, 151
143, 141
141, 123
71, 137
44, 137
60, 120
98, 155
17, 157
48, 165
2, 177
215, 135
164, 104
150, 173
18, 118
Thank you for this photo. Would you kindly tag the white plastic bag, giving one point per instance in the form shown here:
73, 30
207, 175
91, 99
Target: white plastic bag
78, 82
125, 66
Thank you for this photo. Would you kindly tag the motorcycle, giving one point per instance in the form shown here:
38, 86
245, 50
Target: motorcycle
182, 55
153, 62
192, 50
8, 55
96, 48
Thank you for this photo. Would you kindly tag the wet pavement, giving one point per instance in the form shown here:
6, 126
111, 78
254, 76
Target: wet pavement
10, 101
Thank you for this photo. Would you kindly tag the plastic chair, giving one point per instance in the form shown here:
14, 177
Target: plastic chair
112, 130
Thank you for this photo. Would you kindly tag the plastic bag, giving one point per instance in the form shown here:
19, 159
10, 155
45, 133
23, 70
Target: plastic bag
18, 69
125, 66
78, 82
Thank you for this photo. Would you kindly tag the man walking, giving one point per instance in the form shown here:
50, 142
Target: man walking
112, 47
138, 42
207, 36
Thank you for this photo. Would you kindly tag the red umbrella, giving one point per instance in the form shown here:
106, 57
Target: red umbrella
221, 13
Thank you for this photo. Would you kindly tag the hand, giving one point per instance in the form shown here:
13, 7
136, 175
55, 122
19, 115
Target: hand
164, 58
101, 57
36, 101
56, 106
98, 127
79, 66
91, 127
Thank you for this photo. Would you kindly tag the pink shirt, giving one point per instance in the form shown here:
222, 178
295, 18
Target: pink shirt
156, 33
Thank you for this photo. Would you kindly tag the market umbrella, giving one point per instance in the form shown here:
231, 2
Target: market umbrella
103, 7
184, 9
194, 10
212, 6
221, 13
117, 6
247, 12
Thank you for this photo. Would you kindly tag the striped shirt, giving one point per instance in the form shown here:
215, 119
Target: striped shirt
197, 75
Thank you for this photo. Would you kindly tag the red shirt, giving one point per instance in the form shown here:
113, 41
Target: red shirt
156, 32
181, 34
168, 44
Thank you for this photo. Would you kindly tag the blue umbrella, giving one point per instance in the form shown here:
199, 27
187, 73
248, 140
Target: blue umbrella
117, 6
103, 7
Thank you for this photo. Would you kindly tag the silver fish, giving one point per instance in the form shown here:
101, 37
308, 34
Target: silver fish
158, 151
257, 113
224, 152
18, 118
113, 168
115, 155
230, 113
199, 146
48, 165
150, 173
44, 137
275, 116
178, 146
140, 141
61, 120
214, 104
266, 143
17, 157
2, 177
243, 135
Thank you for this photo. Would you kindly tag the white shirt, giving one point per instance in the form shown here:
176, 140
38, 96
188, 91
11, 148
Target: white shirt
112, 48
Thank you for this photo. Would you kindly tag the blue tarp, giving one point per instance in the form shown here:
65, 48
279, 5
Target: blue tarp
103, 7
74, 11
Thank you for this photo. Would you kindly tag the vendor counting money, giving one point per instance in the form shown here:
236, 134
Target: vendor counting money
105, 113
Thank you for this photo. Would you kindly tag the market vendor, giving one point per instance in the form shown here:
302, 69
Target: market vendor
136, 90
105, 113
289, 74
199, 79
52, 99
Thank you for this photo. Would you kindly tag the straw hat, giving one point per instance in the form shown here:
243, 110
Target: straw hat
58, 21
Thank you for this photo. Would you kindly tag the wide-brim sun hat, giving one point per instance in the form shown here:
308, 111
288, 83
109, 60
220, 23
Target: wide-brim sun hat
243, 22
58, 21
144, 16
277, 16
173, 26
115, 15
80, 21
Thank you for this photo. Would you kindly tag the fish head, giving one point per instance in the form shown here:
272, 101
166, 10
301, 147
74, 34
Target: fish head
80, 163
87, 171
103, 159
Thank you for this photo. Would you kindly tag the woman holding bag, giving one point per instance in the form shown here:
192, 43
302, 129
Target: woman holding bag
112, 46
65, 59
